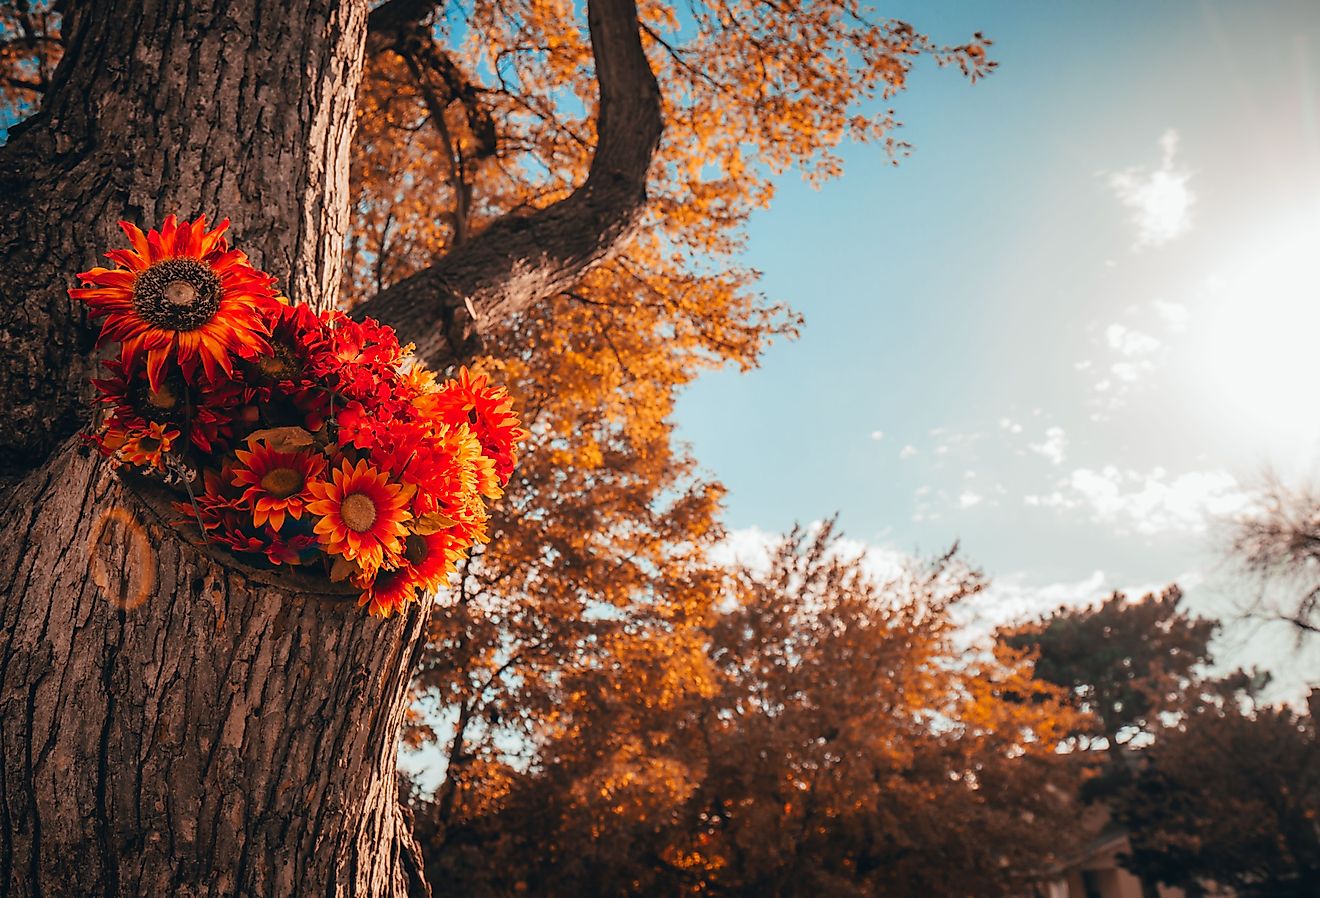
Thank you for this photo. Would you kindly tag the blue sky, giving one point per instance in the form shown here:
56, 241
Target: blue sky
1070, 330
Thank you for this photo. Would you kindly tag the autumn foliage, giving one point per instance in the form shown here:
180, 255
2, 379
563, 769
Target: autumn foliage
825, 733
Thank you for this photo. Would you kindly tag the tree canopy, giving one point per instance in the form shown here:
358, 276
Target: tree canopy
1124, 661
1231, 796
818, 733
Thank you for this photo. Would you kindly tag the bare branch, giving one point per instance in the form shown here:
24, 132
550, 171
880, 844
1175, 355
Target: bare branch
521, 259
1277, 543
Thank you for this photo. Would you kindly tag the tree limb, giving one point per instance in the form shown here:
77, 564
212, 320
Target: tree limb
521, 259
390, 21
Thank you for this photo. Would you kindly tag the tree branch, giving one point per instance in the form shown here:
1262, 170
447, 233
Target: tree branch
521, 259
390, 21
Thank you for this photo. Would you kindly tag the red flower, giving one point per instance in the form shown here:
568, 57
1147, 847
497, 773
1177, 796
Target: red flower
278, 483
488, 410
180, 293
427, 563
392, 494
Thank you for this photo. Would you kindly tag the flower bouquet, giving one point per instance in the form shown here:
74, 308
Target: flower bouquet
292, 438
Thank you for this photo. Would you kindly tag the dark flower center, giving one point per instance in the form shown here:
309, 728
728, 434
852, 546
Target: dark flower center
358, 512
415, 549
164, 406
177, 294
279, 366
163, 398
282, 482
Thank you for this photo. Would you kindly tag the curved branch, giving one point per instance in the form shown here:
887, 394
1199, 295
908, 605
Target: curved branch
521, 259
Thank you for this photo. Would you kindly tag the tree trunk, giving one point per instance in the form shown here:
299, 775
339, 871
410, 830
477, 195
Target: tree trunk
238, 109
170, 724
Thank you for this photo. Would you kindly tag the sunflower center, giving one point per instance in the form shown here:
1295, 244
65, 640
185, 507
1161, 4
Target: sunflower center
415, 549
358, 512
279, 366
180, 293
177, 294
148, 444
282, 482
163, 398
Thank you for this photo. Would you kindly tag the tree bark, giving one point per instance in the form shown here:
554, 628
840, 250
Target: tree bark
242, 109
172, 726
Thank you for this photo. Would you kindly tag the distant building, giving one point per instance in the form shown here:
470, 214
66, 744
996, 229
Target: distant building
1094, 871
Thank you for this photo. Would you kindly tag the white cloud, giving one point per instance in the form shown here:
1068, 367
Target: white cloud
1012, 597
1148, 503
1010, 425
1129, 372
1134, 354
1160, 201
1174, 315
753, 548
877, 435
907, 451
1052, 447
1129, 342
969, 499
747, 546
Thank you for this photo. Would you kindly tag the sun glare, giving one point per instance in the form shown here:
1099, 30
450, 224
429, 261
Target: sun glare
1256, 343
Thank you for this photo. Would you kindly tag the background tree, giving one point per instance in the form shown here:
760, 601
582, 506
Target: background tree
1139, 671
826, 737
1229, 796
1276, 544
171, 723
1124, 662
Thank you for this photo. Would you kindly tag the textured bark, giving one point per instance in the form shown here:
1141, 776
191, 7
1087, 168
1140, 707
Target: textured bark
242, 109
169, 726
521, 259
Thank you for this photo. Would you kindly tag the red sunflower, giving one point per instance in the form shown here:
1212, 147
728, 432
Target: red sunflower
278, 483
207, 416
180, 292
427, 563
361, 514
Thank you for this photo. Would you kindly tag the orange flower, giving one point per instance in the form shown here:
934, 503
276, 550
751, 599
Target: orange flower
180, 292
278, 483
427, 563
487, 410
144, 446
362, 514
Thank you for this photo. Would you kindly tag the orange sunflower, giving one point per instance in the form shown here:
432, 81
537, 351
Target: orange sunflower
180, 292
278, 483
361, 514
427, 563
144, 445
